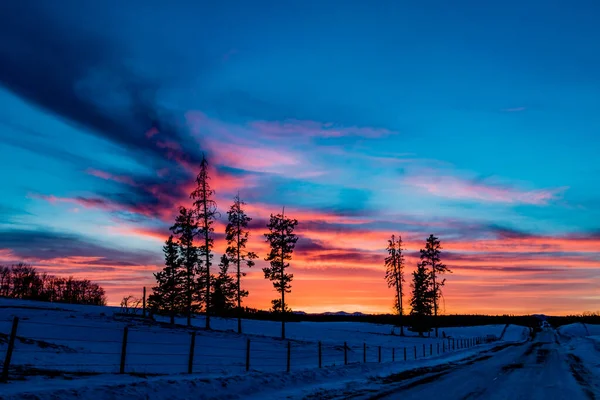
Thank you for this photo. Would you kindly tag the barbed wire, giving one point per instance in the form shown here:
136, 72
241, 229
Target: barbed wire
265, 354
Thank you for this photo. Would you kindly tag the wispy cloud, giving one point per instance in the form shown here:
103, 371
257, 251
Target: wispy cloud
315, 129
483, 190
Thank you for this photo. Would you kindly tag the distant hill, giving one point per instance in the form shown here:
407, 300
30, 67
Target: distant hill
344, 314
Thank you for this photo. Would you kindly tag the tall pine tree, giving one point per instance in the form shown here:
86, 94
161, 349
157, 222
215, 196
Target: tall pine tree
168, 295
185, 228
422, 298
206, 213
430, 256
394, 274
282, 240
236, 234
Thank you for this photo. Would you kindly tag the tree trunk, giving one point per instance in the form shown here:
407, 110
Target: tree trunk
239, 300
189, 296
282, 279
206, 232
435, 321
398, 290
401, 313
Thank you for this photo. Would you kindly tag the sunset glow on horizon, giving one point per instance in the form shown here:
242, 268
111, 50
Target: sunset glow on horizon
362, 123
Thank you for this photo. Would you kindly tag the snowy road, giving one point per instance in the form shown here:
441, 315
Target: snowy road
535, 370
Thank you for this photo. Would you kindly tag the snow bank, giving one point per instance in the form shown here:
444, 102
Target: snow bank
579, 330
516, 333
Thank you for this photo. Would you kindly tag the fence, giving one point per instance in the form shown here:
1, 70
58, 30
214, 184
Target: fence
42, 348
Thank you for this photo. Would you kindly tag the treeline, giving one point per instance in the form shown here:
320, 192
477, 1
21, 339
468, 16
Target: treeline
448, 320
22, 281
188, 283
586, 318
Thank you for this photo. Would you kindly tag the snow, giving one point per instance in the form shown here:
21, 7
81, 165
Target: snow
81, 341
579, 330
515, 333
582, 341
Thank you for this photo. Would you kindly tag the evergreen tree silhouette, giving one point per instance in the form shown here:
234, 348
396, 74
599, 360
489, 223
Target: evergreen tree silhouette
224, 289
184, 229
394, 274
422, 298
282, 240
430, 256
236, 234
206, 213
169, 294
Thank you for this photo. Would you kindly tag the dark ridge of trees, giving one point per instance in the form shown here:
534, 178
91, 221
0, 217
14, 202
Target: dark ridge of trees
452, 320
22, 281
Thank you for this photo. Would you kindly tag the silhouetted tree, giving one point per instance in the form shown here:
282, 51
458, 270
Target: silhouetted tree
22, 281
276, 306
206, 213
169, 294
5, 281
394, 274
185, 229
282, 240
422, 298
430, 256
130, 304
236, 234
224, 289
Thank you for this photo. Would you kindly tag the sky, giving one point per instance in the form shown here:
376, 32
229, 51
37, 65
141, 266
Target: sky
474, 121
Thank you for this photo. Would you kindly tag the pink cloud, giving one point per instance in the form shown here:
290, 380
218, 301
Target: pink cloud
251, 158
108, 176
457, 188
152, 132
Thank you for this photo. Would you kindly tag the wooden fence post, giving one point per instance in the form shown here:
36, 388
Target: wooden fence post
444, 346
345, 354
191, 356
9, 350
438, 348
405, 354
364, 352
393, 354
248, 355
379, 354
289, 355
144, 303
415, 352
124, 350
320, 355
424, 351
430, 349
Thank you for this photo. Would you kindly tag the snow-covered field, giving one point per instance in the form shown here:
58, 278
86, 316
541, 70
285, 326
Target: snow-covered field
84, 341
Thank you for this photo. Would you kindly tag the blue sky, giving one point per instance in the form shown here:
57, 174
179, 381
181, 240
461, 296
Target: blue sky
476, 121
